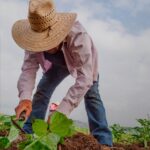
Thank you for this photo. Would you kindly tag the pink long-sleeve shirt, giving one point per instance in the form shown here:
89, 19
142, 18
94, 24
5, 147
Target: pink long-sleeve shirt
81, 59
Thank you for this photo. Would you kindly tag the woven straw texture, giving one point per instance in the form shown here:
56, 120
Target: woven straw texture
42, 31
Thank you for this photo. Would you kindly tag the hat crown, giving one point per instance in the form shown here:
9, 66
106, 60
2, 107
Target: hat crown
41, 14
44, 29
39, 8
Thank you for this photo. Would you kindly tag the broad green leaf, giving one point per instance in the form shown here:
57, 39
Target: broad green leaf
24, 144
5, 122
36, 145
61, 140
5, 118
51, 140
30, 138
4, 142
20, 123
13, 134
61, 125
40, 127
72, 130
48, 142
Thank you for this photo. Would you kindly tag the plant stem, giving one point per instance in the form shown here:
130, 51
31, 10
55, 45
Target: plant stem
145, 144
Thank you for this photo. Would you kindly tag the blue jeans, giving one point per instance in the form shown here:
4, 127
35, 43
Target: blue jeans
93, 104
97, 116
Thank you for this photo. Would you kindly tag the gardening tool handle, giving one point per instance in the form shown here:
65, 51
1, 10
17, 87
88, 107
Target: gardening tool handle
22, 116
14, 121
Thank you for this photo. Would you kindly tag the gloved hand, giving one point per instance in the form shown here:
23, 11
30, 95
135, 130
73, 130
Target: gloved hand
23, 106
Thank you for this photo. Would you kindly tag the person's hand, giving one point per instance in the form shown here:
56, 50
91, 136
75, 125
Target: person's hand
24, 106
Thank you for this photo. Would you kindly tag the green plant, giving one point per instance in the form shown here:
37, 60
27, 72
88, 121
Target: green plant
47, 136
117, 132
122, 135
5, 122
82, 130
143, 131
6, 125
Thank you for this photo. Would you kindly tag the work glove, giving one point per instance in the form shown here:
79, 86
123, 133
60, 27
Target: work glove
24, 108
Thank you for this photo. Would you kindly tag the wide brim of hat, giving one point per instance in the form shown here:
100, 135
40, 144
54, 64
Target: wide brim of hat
31, 40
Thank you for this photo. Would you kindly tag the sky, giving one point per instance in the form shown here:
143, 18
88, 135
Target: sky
120, 30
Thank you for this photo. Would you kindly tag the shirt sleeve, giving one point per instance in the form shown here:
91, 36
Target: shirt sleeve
27, 78
82, 62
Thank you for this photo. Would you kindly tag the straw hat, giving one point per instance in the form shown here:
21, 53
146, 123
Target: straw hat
44, 29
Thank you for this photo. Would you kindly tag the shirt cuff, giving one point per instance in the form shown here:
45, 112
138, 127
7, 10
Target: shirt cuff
25, 95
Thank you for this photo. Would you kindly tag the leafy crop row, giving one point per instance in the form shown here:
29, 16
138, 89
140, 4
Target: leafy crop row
139, 134
46, 136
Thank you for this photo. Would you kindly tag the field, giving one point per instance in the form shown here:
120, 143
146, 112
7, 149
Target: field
63, 134
137, 138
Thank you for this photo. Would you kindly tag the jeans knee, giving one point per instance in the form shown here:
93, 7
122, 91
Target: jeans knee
43, 92
93, 99
41, 96
92, 94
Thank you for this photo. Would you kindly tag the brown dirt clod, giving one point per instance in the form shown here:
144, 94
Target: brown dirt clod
80, 141
4, 133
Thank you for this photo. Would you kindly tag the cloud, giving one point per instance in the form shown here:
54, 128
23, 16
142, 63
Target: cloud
124, 66
135, 6
124, 58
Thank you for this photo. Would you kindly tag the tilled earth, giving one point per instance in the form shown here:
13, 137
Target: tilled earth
79, 141
4, 133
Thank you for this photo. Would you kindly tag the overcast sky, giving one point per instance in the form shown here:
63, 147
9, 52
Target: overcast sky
121, 32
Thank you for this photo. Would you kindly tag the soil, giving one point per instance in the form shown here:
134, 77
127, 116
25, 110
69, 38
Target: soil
79, 141
14, 144
18, 140
130, 147
4, 133
88, 142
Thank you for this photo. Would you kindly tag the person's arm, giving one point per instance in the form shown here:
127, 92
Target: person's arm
82, 56
26, 84
27, 78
